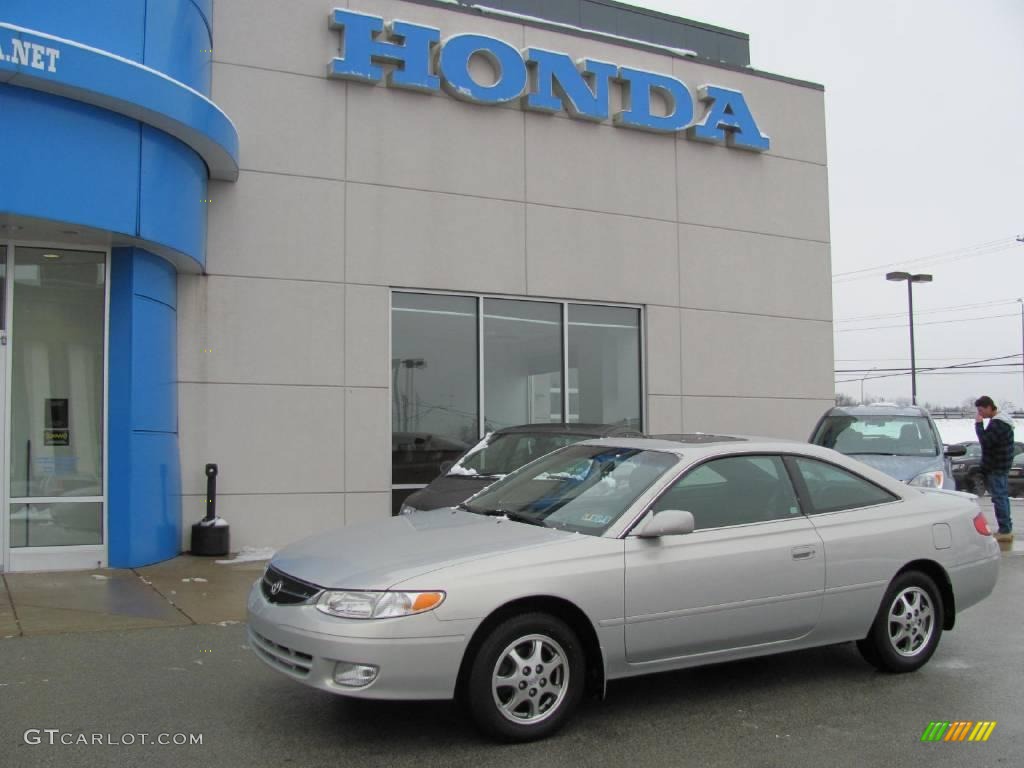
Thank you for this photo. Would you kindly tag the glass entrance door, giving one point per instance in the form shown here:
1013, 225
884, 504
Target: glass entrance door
55, 484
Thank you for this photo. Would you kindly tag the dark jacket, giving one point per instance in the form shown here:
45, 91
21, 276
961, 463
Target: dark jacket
996, 444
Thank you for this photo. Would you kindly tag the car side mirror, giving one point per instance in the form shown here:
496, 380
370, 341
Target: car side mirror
446, 467
668, 522
955, 450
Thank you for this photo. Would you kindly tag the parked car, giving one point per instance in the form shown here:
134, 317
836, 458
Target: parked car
498, 454
901, 441
620, 557
967, 468
1016, 478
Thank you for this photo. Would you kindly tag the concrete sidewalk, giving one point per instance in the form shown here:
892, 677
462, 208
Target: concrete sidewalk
185, 590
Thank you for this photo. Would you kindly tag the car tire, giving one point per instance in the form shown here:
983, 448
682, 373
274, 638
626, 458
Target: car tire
907, 627
976, 485
512, 700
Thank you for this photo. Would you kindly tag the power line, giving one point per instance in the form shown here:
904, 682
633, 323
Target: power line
935, 369
970, 252
955, 307
932, 322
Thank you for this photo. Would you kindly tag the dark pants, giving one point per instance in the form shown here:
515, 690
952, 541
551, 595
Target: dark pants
998, 490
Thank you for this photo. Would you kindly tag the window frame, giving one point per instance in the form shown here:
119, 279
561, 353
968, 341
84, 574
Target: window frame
564, 309
788, 476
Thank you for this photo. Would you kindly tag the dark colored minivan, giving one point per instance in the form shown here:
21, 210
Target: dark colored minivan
498, 454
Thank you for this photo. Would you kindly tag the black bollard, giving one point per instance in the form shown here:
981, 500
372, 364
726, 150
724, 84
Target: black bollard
211, 536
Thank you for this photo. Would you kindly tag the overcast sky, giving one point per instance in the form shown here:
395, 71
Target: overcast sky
924, 104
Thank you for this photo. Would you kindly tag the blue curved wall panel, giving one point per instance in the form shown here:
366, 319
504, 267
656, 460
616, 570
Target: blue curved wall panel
116, 132
68, 162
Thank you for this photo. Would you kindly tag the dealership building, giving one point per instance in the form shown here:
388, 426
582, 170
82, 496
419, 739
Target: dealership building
328, 245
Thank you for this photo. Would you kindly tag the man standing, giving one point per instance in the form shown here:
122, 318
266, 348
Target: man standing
996, 457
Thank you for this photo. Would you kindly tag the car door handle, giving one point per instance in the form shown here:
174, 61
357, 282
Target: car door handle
804, 553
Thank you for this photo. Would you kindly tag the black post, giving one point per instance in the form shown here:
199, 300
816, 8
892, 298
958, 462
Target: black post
211, 493
211, 536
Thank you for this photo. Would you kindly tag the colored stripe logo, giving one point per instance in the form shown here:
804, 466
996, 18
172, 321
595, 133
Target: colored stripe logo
958, 730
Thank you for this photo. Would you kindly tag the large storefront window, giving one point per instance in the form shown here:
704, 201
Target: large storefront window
56, 390
522, 363
434, 384
604, 365
463, 366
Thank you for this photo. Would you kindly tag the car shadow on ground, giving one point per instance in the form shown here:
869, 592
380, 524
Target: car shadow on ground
681, 695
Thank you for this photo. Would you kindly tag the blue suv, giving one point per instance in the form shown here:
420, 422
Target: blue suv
901, 441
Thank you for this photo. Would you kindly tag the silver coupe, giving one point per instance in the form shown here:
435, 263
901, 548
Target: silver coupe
619, 557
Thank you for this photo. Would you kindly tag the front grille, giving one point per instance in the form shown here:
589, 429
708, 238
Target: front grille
282, 589
280, 656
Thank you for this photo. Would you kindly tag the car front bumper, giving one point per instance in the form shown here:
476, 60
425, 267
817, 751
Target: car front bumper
417, 657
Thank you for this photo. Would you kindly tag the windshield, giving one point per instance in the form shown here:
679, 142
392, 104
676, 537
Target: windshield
505, 453
878, 435
582, 488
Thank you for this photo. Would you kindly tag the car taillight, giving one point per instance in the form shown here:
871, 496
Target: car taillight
981, 525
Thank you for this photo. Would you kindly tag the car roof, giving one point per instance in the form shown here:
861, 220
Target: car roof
594, 430
698, 442
877, 410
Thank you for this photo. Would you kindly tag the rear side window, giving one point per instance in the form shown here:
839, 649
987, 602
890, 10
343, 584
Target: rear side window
832, 489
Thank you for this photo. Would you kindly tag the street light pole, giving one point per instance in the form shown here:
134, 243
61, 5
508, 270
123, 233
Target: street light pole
911, 279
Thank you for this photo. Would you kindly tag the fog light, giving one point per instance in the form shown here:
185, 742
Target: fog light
354, 675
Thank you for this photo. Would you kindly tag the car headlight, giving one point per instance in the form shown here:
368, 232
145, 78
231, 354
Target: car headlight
377, 605
931, 479
406, 509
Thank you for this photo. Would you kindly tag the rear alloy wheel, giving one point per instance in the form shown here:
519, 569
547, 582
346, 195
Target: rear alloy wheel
526, 678
976, 485
907, 627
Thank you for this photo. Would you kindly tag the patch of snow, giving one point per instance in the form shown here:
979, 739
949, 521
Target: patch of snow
249, 554
956, 430
198, 661
99, 577
177, 669
194, 578
225, 623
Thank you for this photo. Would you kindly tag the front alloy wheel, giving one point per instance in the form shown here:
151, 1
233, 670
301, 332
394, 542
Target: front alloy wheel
526, 678
907, 628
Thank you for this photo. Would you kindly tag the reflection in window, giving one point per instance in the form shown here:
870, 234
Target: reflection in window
733, 491
439, 364
434, 391
58, 524
522, 363
604, 365
832, 489
57, 374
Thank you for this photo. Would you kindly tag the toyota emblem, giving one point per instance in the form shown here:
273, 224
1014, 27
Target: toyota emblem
276, 587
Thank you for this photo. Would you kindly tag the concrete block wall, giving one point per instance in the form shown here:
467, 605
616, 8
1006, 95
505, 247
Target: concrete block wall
349, 190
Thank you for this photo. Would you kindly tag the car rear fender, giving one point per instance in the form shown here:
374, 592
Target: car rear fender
941, 578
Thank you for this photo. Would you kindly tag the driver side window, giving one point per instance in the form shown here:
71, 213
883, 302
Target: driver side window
736, 490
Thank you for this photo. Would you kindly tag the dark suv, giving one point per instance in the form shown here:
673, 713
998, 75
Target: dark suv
967, 468
498, 454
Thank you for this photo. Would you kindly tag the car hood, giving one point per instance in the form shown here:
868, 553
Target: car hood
380, 554
904, 468
449, 490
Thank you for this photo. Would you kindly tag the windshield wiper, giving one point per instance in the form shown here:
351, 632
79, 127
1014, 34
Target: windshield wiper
871, 453
514, 516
